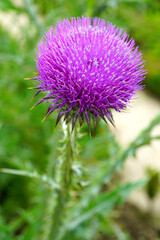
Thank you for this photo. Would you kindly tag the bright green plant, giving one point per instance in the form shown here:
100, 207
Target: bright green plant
32, 156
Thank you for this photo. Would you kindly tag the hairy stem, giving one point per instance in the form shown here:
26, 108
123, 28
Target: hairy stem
65, 183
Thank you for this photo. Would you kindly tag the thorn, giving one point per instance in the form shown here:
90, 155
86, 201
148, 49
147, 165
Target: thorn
74, 122
32, 107
66, 115
33, 78
68, 120
41, 100
111, 120
103, 117
44, 118
59, 118
49, 111
33, 88
30, 88
36, 73
35, 94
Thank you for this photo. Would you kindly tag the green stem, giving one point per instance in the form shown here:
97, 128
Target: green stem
65, 183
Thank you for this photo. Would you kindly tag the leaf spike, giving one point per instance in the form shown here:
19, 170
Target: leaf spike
41, 100
103, 117
74, 122
59, 118
27, 79
111, 120
36, 73
35, 94
33, 88
44, 118
32, 107
30, 88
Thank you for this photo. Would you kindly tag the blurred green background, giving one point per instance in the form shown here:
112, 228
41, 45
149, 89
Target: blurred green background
26, 143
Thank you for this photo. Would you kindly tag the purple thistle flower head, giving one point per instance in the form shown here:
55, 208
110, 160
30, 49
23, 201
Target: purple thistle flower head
87, 67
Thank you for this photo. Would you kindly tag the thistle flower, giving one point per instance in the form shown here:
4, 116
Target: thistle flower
87, 67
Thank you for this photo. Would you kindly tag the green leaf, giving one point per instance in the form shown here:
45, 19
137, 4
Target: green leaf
104, 202
24, 173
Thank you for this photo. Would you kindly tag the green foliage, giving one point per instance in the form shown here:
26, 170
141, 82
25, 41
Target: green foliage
29, 159
102, 203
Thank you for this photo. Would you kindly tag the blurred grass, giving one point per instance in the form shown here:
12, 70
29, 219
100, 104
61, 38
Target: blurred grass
26, 143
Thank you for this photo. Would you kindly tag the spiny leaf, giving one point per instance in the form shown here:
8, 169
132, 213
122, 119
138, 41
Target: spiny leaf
104, 202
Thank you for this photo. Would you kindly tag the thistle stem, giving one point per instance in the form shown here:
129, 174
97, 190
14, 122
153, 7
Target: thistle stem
65, 183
